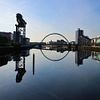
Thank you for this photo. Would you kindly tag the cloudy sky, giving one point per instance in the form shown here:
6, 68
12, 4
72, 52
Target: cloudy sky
48, 16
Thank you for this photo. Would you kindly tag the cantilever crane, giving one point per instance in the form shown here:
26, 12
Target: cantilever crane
20, 29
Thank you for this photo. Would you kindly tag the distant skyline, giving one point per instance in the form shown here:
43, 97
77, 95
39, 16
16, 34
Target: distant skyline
48, 16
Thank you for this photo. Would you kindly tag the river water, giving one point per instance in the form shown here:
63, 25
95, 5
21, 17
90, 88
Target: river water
50, 75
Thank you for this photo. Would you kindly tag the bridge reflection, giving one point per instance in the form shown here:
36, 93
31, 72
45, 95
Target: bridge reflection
80, 54
19, 58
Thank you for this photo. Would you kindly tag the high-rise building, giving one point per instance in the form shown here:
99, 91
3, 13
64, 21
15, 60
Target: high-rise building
79, 34
82, 40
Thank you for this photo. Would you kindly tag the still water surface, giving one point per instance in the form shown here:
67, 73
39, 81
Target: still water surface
71, 78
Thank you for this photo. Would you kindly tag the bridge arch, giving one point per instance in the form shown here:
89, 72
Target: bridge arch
56, 59
55, 34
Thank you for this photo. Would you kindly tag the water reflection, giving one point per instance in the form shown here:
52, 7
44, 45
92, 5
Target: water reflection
33, 63
96, 56
80, 55
55, 52
4, 59
19, 58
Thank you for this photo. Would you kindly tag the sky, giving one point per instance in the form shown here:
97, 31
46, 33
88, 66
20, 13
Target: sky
52, 16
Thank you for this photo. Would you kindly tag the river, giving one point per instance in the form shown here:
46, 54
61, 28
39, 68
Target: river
50, 75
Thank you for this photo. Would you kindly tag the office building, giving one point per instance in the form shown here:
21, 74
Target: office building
81, 39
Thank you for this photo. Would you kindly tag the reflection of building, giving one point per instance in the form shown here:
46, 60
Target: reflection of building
19, 58
80, 56
20, 67
4, 59
82, 40
95, 41
96, 56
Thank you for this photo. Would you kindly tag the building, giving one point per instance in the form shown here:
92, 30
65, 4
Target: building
73, 43
27, 41
8, 35
5, 38
58, 42
95, 41
81, 39
16, 38
20, 39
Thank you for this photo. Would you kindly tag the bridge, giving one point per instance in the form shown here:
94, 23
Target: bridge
54, 47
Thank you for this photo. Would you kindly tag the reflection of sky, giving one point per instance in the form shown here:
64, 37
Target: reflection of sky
54, 55
62, 79
52, 80
47, 16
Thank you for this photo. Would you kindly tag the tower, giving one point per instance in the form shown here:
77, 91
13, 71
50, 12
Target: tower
79, 34
20, 30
